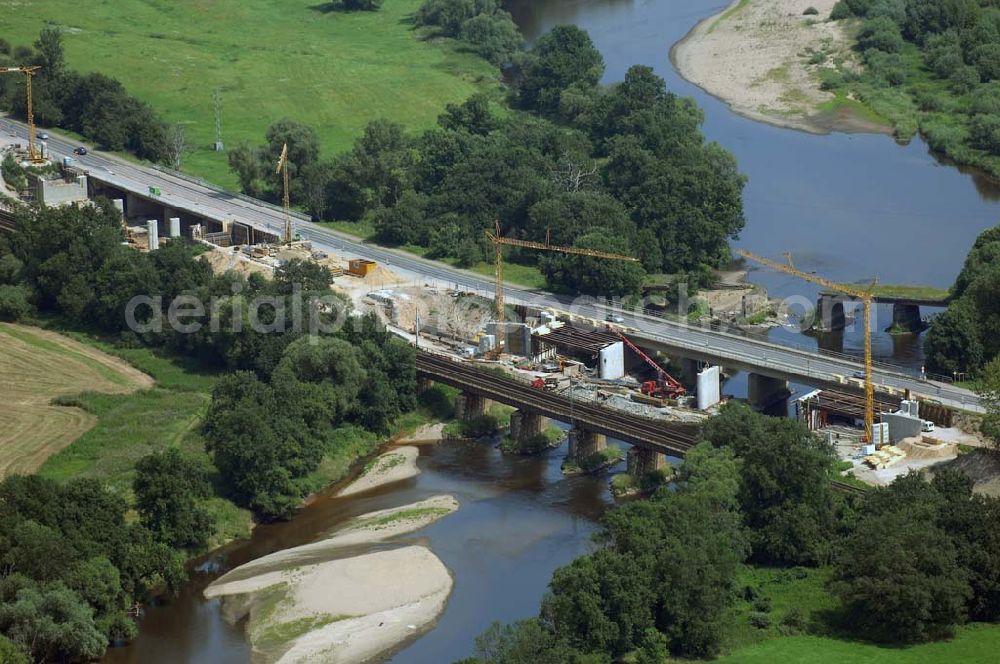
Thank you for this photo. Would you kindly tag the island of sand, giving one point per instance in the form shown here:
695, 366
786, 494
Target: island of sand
318, 603
400, 463
762, 57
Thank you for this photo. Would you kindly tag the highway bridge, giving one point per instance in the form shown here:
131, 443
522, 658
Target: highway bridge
756, 355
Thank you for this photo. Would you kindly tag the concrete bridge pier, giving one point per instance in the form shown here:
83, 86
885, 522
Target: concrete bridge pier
584, 443
906, 319
764, 391
423, 384
525, 425
469, 406
830, 312
642, 461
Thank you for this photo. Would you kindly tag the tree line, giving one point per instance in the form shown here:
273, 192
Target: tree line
938, 62
909, 562
94, 105
623, 168
72, 566
966, 337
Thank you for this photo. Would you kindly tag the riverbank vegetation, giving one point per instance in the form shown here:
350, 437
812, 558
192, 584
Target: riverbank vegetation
751, 547
932, 67
254, 416
622, 169
963, 339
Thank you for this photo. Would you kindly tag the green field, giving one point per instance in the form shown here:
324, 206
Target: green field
270, 59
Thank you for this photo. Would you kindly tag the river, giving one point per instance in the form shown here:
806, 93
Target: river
848, 206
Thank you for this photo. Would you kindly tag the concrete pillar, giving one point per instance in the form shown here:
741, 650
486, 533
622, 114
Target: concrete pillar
709, 387
830, 312
469, 406
906, 319
642, 461
119, 205
583, 443
525, 425
154, 237
175, 226
423, 384
765, 391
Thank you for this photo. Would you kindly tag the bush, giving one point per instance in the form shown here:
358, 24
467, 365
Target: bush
882, 34
759, 620
810, 11
14, 304
841, 10
762, 604
361, 5
795, 621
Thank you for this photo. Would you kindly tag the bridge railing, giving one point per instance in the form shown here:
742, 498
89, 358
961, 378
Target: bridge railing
243, 197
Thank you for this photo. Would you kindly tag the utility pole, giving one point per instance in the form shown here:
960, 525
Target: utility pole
218, 121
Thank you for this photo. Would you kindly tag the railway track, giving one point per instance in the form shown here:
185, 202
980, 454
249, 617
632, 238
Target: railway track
669, 438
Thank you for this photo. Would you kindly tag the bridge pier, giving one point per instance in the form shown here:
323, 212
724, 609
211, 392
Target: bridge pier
423, 384
584, 443
641, 461
829, 315
524, 427
469, 406
906, 319
765, 391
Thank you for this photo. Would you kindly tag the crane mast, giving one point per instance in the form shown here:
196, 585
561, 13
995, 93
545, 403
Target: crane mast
34, 155
283, 169
865, 296
499, 242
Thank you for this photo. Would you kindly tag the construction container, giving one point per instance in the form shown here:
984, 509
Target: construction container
361, 267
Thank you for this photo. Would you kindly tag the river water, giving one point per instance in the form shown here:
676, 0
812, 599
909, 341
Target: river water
848, 206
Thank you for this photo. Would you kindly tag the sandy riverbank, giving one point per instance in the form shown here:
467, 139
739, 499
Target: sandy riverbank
399, 463
306, 605
761, 57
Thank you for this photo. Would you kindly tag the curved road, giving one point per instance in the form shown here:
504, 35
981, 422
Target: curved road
799, 364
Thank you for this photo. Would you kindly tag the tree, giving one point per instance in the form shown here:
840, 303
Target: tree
52, 623
952, 343
880, 33
594, 276
563, 57
307, 276
908, 598
14, 302
494, 37
51, 56
11, 653
169, 490
785, 484
176, 146
245, 162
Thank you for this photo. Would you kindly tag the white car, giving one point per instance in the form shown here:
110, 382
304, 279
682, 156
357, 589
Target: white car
43, 136
927, 426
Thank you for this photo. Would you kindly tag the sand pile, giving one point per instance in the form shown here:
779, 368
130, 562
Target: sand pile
927, 448
225, 260
381, 276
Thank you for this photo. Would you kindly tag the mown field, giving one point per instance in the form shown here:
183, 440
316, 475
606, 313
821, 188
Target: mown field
270, 59
38, 366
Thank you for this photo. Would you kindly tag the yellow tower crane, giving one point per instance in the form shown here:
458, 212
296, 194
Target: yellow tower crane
34, 155
283, 169
499, 242
865, 296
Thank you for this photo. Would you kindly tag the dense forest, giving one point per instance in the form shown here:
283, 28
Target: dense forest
931, 66
966, 337
907, 563
623, 168
94, 105
72, 565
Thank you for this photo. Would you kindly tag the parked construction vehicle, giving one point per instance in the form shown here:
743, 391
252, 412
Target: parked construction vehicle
665, 386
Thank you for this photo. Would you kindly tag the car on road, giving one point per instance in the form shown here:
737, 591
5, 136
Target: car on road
860, 375
927, 426
43, 136
80, 150
614, 318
